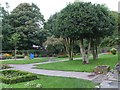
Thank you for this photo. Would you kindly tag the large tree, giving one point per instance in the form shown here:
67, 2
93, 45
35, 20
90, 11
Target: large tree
50, 25
84, 22
14, 40
112, 40
27, 21
105, 26
6, 29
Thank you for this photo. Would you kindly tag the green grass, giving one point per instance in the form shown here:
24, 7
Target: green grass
77, 65
54, 82
24, 61
36, 60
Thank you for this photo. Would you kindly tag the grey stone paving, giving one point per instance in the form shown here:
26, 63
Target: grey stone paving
29, 68
112, 81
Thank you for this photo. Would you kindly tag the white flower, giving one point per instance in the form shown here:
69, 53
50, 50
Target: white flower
38, 86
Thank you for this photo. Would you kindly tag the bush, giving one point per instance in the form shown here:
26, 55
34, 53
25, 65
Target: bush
7, 56
33, 85
113, 51
19, 56
62, 56
16, 76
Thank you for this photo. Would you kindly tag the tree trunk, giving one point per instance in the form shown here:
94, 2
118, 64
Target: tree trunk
84, 52
15, 52
94, 51
69, 48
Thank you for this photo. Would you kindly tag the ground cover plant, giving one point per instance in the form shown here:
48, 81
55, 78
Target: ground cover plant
15, 76
77, 65
35, 60
24, 61
52, 82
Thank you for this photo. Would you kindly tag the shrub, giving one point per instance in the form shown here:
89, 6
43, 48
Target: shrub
33, 85
113, 51
19, 56
7, 56
16, 76
62, 56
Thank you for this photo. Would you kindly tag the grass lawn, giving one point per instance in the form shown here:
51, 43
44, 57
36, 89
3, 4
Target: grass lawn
53, 82
24, 61
36, 60
77, 65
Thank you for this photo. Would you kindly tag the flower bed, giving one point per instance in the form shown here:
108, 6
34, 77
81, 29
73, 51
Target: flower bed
15, 76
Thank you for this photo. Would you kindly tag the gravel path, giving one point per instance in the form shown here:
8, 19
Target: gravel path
29, 68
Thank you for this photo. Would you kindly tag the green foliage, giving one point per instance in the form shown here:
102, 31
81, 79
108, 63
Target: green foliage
62, 56
54, 82
84, 20
15, 38
22, 61
5, 28
7, 57
15, 76
113, 51
50, 25
33, 85
27, 21
113, 39
19, 56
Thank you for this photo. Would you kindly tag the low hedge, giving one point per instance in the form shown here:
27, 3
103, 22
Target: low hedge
19, 56
62, 56
25, 76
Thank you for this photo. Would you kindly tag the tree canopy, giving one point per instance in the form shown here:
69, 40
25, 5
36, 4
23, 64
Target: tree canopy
84, 22
27, 20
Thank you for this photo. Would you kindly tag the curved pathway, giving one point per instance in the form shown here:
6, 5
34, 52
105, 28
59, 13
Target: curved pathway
29, 68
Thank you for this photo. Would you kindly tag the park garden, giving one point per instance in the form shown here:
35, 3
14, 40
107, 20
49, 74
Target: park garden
64, 51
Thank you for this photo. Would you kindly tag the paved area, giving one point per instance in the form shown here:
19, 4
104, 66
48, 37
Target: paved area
29, 68
112, 81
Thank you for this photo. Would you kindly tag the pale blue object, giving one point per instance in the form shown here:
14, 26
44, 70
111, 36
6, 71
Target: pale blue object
31, 55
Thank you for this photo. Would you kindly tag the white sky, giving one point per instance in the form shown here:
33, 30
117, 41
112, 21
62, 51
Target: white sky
49, 7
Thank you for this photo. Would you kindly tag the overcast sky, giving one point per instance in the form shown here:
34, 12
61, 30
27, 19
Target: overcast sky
49, 7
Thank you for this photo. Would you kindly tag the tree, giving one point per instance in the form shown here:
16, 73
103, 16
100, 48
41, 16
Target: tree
84, 22
56, 43
113, 39
74, 22
105, 26
66, 22
14, 40
53, 41
27, 21
51, 25
6, 29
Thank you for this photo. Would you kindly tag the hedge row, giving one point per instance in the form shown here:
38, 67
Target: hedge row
62, 56
25, 77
